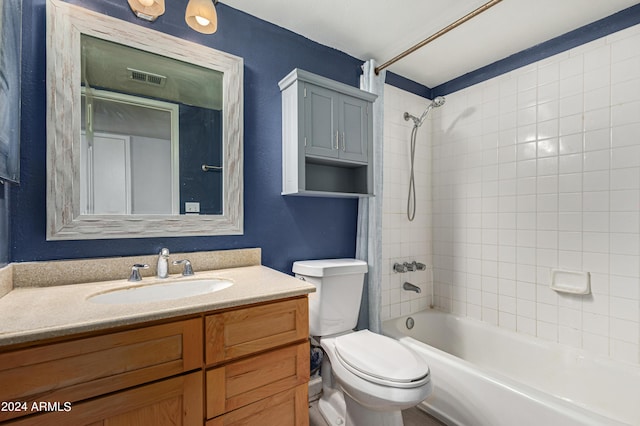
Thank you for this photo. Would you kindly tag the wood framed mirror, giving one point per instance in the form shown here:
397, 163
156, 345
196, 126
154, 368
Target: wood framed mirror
144, 131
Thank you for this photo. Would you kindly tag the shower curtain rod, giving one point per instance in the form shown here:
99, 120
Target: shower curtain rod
432, 37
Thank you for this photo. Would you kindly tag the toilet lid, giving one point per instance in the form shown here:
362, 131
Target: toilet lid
381, 359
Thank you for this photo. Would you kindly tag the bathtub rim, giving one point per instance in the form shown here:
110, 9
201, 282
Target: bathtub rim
500, 379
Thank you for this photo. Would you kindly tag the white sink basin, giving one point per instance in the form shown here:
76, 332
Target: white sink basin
157, 292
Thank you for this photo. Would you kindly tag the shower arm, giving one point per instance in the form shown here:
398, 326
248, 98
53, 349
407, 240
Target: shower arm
434, 36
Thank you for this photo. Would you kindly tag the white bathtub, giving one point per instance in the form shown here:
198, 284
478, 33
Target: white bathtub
483, 375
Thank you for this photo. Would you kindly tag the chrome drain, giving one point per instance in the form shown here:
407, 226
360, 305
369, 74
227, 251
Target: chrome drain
410, 323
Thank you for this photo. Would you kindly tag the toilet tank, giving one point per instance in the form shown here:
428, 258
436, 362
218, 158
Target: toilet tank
335, 305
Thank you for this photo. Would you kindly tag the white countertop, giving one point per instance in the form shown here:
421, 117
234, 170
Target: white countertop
34, 313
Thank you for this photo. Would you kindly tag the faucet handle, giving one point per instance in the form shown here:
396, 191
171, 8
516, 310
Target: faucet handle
397, 267
419, 266
188, 270
135, 273
410, 266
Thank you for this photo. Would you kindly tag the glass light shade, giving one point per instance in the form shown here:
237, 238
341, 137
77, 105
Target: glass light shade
147, 9
201, 16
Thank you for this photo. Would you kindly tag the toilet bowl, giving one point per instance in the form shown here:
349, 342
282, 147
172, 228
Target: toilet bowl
377, 377
367, 378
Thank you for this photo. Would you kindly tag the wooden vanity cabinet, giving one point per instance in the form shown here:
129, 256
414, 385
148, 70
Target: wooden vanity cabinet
171, 402
241, 332
241, 366
285, 408
258, 353
84, 368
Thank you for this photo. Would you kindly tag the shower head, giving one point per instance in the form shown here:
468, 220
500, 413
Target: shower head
436, 103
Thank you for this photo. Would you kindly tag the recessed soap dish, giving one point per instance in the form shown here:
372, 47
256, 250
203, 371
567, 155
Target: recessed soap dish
575, 282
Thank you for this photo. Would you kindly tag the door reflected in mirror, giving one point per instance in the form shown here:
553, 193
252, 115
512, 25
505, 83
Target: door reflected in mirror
148, 125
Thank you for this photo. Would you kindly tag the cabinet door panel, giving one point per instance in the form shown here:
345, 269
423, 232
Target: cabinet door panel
247, 331
252, 379
354, 125
88, 367
321, 127
288, 408
171, 402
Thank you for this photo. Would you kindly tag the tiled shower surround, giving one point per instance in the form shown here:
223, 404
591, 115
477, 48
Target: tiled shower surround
534, 170
404, 241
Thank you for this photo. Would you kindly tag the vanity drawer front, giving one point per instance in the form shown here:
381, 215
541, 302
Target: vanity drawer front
88, 367
176, 402
288, 408
246, 381
246, 331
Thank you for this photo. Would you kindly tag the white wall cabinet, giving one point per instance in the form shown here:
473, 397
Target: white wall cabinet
326, 137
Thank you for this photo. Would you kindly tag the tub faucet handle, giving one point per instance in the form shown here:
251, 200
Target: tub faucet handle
188, 270
135, 273
397, 267
419, 266
410, 266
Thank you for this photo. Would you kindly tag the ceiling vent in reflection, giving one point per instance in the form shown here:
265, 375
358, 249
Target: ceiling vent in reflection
146, 77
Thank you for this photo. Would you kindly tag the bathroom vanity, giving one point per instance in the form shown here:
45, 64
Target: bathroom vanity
237, 356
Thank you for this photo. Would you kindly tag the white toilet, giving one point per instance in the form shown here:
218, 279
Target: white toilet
367, 378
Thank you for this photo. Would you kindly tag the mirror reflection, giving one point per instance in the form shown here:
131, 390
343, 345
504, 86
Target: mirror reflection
151, 133
133, 115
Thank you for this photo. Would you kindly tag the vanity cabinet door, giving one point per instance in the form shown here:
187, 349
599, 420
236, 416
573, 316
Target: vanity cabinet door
241, 332
251, 379
84, 368
288, 408
171, 402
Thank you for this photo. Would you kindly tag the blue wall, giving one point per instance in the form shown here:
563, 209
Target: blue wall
595, 30
286, 228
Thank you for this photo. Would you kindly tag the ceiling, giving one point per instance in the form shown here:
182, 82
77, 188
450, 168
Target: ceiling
382, 29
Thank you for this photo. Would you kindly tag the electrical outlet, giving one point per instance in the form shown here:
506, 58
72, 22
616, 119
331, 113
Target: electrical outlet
192, 207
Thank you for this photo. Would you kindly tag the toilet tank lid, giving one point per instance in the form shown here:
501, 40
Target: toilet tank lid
329, 267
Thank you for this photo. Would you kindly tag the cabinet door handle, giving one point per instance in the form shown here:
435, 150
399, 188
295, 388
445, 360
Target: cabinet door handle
344, 143
337, 139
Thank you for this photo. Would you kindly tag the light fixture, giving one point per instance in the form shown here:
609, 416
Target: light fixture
201, 16
148, 10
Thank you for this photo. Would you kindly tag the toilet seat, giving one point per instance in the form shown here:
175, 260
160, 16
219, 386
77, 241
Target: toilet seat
381, 359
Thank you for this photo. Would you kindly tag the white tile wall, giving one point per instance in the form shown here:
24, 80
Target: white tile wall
533, 170
404, 241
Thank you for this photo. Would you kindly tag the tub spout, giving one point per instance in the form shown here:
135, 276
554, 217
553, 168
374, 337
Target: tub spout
410, 287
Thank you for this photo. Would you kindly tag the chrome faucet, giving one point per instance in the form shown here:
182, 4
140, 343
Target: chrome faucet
410, 266
188, 270
397, 267
410, 287
163, 263
135, 273
419, 266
